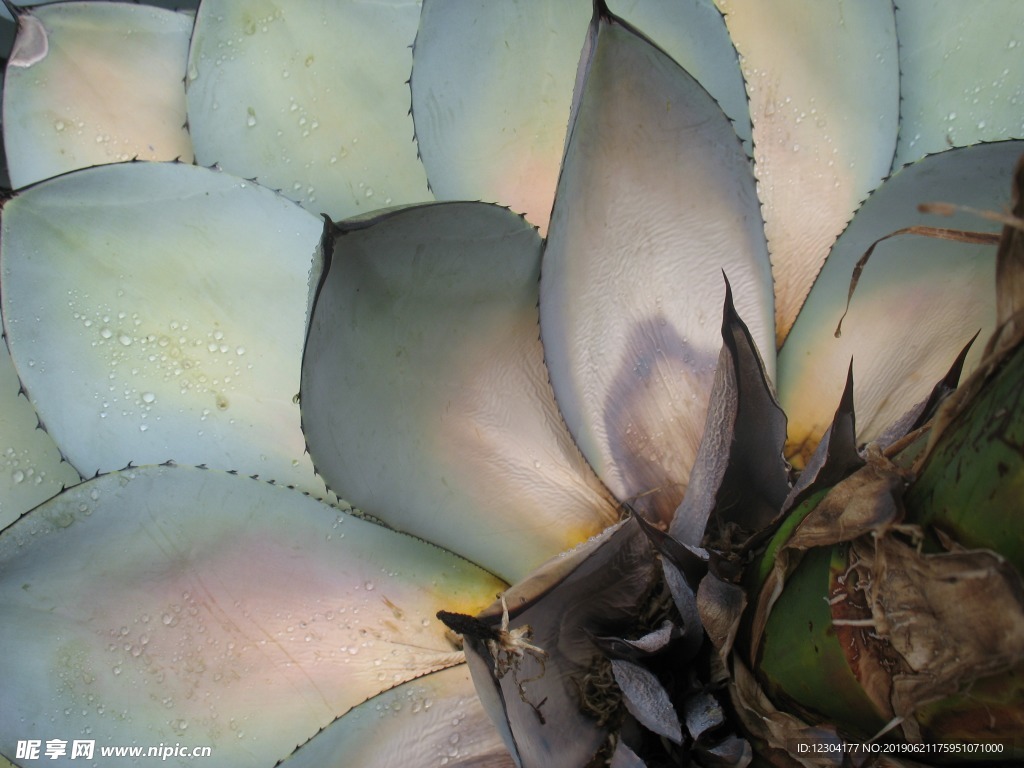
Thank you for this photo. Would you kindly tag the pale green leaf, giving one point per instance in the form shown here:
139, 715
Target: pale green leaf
491, 90
91, 83
693, 33
31, 467
962, 74
310, 98
823, 82
433, 720
180, 605
157, 311
424, 394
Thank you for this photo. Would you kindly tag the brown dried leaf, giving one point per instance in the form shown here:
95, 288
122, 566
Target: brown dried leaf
779, 731
954, 617
865, 502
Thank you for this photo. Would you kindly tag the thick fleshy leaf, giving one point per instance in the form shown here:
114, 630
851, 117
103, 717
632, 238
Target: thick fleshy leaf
92, 83
823, 82
693, 33
971, 484
960, 70
424, 394
311, 98
801, 655
433, 720
31, 467
491, 91
156, 311
492, 86
172, 604
655, 200
549, 705
918, 300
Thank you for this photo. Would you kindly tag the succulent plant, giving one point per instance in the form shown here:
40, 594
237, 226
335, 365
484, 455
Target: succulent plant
523, 383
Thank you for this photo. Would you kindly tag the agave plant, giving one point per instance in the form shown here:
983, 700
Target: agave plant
518, 427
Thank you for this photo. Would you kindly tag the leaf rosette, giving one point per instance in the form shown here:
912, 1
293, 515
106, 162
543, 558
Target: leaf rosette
308, 459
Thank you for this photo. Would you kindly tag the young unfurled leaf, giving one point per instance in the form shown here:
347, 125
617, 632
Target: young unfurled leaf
740, 478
